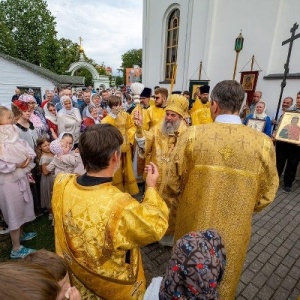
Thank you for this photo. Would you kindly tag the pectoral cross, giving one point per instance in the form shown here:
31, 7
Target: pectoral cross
286, 65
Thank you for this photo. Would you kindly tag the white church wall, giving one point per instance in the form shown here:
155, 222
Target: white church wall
208, 29
13, 75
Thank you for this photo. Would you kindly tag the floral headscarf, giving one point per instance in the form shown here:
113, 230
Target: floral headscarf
195, 268
55, 147
27, 98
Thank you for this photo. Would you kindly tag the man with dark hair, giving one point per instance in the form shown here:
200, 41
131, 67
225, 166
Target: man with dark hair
223, 172
105, 94
156, 113
124, 177
200, 112
98, 228
86, 102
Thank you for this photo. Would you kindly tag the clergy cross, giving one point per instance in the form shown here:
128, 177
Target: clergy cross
286, 65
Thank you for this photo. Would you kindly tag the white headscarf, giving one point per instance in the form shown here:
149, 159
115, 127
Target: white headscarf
49, 115
261, 116
88, 114
60, 137
64, 110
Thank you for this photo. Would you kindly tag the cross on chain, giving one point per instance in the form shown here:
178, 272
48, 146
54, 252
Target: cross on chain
286, 65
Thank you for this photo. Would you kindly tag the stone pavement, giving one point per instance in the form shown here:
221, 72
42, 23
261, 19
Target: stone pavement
272, 266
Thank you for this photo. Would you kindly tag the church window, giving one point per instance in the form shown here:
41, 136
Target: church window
172, 43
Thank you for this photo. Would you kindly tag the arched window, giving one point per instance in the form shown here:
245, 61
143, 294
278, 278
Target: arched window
172, 43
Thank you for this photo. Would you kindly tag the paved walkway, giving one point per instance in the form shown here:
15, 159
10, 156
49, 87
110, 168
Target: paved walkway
272, 266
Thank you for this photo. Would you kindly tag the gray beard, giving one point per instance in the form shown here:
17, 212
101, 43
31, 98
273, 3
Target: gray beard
168, 128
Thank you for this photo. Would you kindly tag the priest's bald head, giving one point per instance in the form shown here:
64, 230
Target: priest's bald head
226, 98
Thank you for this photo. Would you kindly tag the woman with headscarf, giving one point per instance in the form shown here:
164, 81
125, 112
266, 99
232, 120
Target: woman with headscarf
96, 101
91, 118
51, 118
36, 116
260, 114
69, 118
194, 270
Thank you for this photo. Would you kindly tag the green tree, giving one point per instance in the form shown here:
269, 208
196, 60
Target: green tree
119, 80
67, 53
33, 30
130, 58
7, 44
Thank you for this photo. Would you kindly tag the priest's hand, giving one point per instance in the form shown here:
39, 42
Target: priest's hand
152, 174
138, 118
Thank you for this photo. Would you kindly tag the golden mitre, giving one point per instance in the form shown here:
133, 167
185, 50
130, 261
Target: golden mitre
178, 104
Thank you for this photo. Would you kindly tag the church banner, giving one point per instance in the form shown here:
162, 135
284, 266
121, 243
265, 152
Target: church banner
194, 84
249, 81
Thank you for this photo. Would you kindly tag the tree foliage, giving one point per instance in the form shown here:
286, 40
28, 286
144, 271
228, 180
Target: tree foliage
130, 58
67, 53
7, 44
27, 31
32, 29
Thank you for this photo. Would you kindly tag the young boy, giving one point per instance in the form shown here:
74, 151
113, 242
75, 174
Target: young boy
57, 266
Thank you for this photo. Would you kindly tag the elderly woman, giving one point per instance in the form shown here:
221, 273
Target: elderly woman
92, 117
69, 118
260, 114
36, 116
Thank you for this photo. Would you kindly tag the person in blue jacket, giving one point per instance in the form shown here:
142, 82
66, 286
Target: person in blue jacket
260, 114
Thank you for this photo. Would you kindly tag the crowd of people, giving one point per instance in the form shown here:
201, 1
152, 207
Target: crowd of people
85, 157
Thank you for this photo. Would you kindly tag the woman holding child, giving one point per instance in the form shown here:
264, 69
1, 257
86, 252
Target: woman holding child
69, 118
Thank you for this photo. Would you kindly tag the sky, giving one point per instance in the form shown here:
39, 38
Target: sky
108, 28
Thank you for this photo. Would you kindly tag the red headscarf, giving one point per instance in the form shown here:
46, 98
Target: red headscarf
23, 106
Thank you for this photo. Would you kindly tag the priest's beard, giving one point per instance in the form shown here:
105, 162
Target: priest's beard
204, 100
169, 127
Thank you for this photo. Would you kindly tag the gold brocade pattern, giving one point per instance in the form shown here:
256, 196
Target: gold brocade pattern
158, 149
93, 235
220, 187
140, 161
124, 177
200, 113
154, 115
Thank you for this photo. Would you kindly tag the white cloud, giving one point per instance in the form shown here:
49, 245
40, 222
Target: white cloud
108, 28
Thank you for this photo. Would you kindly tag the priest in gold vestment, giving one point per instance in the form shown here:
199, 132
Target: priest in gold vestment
145, 103
124, 178
200, 112
98, 228
222, 173
156, 113
157, 145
